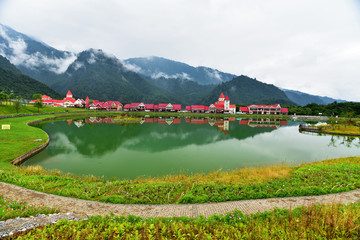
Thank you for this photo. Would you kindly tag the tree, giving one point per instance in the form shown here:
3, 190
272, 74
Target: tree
17, 106
2, 96
90, 102
11, 96
38, 101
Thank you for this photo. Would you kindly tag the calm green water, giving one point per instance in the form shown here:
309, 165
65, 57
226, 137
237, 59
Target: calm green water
154, 147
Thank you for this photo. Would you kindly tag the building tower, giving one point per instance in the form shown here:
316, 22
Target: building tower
221, 98
227, 103
69, 94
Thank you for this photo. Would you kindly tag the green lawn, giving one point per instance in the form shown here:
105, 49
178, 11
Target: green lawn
9, 109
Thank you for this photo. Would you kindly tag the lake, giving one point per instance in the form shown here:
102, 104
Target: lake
110, 147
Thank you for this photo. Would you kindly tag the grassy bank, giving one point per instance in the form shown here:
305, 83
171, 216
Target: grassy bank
340, 129
331, 176
332, 221
13, 209
9, 109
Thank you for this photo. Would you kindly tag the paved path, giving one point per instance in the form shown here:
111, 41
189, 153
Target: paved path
90, 208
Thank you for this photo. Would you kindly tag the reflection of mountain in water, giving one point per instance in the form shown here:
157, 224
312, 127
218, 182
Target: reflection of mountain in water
96, 136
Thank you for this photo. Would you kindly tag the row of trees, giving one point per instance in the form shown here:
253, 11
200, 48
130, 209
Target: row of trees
4, 97
345, 109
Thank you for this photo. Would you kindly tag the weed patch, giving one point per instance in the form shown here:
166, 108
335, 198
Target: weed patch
13, 209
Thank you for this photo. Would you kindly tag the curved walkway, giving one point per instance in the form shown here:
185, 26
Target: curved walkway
90, 208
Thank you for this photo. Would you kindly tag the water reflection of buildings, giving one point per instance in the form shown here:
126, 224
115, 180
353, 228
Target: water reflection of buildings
222, 124
274, 123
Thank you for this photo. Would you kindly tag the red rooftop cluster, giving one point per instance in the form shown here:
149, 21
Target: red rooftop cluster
221, 106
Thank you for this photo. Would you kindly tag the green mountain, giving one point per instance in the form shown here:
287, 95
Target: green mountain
100, 76
188, 91
11, 79
245, 91
157, 67
303, 99
32, 57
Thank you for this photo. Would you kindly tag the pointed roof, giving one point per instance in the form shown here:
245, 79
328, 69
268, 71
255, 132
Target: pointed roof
227, 98
221, 95
69, 93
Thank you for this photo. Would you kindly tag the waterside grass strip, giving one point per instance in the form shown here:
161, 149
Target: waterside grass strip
319, 129
331, 176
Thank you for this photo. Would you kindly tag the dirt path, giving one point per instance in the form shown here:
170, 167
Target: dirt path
90, 208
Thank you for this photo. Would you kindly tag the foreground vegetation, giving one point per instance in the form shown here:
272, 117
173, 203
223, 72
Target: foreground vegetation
13, 209
332, 221
330, 176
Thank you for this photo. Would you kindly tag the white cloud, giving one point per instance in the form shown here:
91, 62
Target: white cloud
78, 65
92, 59
177, 75
131, 67
19, 55
300, 44
213, 74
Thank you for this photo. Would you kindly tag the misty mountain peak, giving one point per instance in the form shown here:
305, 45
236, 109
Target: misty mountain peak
28, 53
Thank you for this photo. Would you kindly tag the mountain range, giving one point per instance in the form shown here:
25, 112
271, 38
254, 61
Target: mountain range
13, 81
103, 76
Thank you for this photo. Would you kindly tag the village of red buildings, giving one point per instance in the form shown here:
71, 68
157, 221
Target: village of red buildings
221, 106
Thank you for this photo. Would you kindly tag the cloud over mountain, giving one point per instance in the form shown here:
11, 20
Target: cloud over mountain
16, 48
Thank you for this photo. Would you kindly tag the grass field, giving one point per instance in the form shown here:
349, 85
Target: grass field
9, 109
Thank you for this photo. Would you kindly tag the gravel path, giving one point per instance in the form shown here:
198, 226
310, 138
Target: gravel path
91, 208
84, 208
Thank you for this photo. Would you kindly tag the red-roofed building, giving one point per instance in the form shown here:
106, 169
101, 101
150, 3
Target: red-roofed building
147, 107
284, 111
127, 107
244, 110
222, 105
168, 107
196, 108
69, 101
267, 109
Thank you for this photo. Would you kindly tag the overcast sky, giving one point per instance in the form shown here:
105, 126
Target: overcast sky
307, 45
